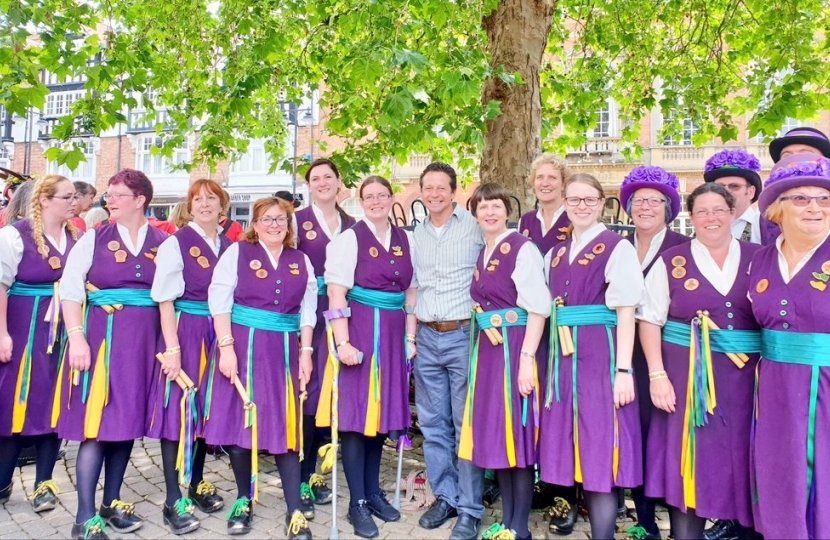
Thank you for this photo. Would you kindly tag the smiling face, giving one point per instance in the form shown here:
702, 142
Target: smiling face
205, 207
436, 192
712, 218
492, 216
272, 226
547, 184
376, 200
810, 220
647, 213
583, 215
63, 204
323, 184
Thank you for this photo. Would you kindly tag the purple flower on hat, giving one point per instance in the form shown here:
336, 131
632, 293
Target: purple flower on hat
645, 173
819, 167
738, 159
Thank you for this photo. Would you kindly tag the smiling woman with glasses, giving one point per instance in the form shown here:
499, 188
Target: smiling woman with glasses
32, 258
788, 286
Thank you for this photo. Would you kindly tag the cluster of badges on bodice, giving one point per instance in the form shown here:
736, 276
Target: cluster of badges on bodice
201, 260
54, 262
678, 271
511, 317
397, 251
563, 233
294, 269
820, 283
308, 227
259, 271
121, 254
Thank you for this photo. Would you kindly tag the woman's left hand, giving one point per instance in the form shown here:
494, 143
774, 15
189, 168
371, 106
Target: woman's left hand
306, 367
172, 365
623, 389
527, 380
410, 347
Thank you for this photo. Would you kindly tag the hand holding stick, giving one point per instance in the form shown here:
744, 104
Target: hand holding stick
182, 380
739, 359
492, 334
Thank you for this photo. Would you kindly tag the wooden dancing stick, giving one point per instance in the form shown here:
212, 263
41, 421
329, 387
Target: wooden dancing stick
109, 309
182, 379
739, 359
303, 397
565, 337
492, 334
246, 399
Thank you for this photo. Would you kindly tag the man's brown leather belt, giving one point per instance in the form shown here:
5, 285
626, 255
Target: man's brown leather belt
447, 326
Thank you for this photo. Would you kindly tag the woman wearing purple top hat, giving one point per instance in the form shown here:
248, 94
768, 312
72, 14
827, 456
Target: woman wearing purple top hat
590, 430
701, 343
650, 197
501, 418
369, 276
549, 224
316, 226
184, 267
790, 442
111, 350
263, 299
32, 258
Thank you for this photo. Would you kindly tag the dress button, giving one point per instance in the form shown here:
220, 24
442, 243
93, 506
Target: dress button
731, 316
730, 327
138, 275
567, 282
565, 295
276, 302
783, 302
391, 262
138, 267
783, 313
397, 273
488, 303
277, 291
786, 325
279, 281
729, 304
393, 283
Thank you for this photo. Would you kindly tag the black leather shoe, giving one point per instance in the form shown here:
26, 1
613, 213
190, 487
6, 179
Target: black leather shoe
91, 529
361, 519
121, 516
240, 517
205, 497
466, 527
6, 494
180, 517
380, 507
562, 517
296, 528
306, 501
321, 490
45, 496
491, 494
437, 515
723, 529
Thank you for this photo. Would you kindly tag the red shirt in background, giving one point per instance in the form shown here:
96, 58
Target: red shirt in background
78, 222
232, 229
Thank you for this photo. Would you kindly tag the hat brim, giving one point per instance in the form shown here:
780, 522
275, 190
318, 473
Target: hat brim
750, 176
628, 190
778, 145
775, 190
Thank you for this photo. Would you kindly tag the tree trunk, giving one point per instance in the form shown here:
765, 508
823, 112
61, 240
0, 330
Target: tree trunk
517, 33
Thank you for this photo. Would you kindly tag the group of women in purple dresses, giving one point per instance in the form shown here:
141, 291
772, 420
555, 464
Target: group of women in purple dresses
692, 371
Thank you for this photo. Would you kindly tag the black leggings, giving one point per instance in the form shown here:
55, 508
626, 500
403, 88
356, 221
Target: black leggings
517, 496
361, 463
46, 448
312, 440
288, 466
92, 455
169, 453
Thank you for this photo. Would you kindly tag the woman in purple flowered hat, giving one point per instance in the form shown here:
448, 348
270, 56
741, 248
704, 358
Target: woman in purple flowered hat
701, 378
32, 258
790, 444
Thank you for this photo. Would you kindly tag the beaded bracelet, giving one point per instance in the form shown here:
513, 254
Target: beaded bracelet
309, 349
654, 375
172, 350
410, 338
74, 330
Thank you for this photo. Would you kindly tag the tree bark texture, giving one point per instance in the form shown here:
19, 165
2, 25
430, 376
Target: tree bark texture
517, 34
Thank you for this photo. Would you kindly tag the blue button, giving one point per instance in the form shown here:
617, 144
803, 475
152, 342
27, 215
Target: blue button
276, 302
730, 327
567, 282
279, 281
729, 304
730, 315
786, 325
783, 302
138, 275
138, 267
277, 291
392, 262
783, 313
565, 295
488, 303
397, 273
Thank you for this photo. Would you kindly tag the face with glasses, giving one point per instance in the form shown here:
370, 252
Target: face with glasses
63, 203
376, 201
583, 204
122, 202
648, 210
272, 226
805, 211
741, 189
712, 218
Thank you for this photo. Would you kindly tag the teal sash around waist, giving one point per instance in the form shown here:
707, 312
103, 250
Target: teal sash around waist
260, 319
377, 299
720, 341
322, 290
585, 316
796, 348
485, 320
126, 297
193, 307
31, 289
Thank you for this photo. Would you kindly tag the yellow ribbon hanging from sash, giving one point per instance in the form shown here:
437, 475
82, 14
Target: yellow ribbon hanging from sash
98, 396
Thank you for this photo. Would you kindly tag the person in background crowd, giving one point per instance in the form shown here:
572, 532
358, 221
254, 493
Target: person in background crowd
737, 171
369, 280
790, 442
549, 224
230, 228
32, 258
590, 428
13, 181
697, 456
20, 204
316, 226
180, 216
650, 197
445, 249
87, 193
96, 217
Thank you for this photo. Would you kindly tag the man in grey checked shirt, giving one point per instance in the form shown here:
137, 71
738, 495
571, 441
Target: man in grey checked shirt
446, 248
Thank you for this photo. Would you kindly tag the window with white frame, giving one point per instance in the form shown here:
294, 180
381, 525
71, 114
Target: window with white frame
155, 164
686, 135
352, 207
604, 126
51, 79
60, 103
84, 171
4, 157
254, 161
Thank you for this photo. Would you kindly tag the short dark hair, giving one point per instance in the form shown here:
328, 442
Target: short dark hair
135, 181
490, 192
84, 188
438, 166
710, 187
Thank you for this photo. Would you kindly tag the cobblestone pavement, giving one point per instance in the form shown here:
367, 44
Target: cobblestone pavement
144, 486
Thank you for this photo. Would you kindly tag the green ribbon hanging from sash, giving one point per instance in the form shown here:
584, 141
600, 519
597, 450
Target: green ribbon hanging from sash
720, 341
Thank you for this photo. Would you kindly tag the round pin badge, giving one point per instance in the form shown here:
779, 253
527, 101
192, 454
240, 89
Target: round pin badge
504, 248
691, 284
307, 225
679, 260
762, 286
195, 251
310, 235
495, 319
555, 262
113, 246
261, 274
256, 264
373, 251
511, 316
598, 249
678, 272
43, 250
561, 251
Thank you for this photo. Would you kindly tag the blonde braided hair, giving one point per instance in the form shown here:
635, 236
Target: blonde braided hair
46, 186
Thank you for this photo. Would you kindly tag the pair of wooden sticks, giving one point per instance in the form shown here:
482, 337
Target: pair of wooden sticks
566, 340
739, 359
492, 334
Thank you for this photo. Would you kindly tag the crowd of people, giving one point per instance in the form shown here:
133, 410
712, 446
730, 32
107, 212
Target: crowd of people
692, 371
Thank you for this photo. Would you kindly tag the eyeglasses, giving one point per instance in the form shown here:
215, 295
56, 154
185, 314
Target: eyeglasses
647, 201
116, 196
67, 198
589, 201
381, 197
802, 200
268, 221
735, 187
717, 212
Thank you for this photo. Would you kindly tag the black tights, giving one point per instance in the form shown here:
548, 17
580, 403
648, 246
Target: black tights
92, 455
602, 513
46, 448
686, 525
288, 466
312, 440
169, 453
361, 463
517, 495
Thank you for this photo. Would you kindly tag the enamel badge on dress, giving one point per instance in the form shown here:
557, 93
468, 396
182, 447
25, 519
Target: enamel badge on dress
203, 262
43, 250
598, 249
307, 225
762, 286
294, 269
397, 251
54, 263
373, 251
195, 252
511, 317
255, 264
113, 246
678, 272
261, 274
310, 235
505, 249
120, 256
495, 319
691, 284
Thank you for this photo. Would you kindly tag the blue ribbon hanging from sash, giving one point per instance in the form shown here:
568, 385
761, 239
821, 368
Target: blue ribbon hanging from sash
322, 290
720, 341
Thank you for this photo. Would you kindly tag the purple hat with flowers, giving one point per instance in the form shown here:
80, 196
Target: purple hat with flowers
734, 163
795, 171
800, 135
657, 178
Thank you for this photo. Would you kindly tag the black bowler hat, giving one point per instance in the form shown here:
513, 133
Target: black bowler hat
287, 196
800, 135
